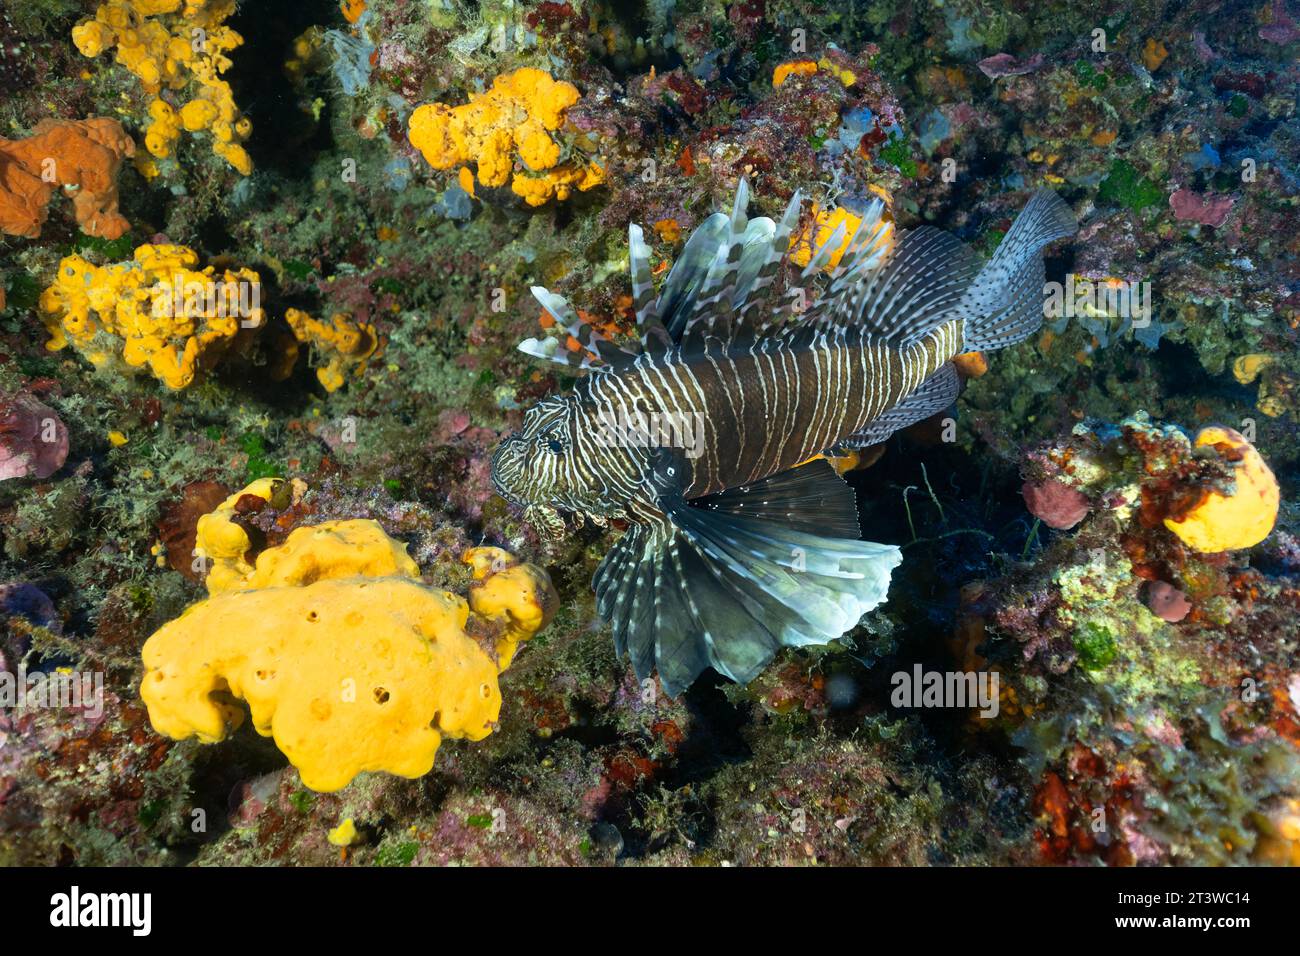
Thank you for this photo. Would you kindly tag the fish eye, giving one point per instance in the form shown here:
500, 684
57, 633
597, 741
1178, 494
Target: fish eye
552, 438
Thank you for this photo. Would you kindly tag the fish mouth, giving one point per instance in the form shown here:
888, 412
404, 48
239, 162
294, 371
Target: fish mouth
507, 468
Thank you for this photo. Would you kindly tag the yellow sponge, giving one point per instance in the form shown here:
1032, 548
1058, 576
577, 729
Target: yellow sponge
347, 675
343, 656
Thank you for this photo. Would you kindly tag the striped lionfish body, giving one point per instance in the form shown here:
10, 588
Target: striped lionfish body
756, 411
699, 436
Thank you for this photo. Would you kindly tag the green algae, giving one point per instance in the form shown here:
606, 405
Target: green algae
397, 854
260, 465
897, 153
1125, 186
1095, 645
108, 250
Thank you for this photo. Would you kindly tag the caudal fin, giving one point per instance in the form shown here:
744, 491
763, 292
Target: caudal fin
1004, 304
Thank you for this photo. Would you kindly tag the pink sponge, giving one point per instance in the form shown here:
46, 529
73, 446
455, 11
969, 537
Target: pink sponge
1055, 503
33, 440
1167, 602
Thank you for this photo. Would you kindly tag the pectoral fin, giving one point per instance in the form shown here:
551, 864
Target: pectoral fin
811, 497
717, 587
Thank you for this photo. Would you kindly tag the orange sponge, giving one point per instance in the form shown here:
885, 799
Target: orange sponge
82, 156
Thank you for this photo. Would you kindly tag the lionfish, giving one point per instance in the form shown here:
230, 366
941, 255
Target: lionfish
742, 540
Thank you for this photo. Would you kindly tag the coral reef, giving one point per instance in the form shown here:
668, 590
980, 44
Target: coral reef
393, 178
1122, 676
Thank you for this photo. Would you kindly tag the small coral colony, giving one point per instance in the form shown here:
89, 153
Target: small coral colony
294, 433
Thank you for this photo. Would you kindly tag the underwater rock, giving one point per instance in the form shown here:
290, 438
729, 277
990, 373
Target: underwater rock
25, 600
352, 56
455, 203
1120, 651
30, 602
177, 526
1282, 28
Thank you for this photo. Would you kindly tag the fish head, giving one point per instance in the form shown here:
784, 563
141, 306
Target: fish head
544, 465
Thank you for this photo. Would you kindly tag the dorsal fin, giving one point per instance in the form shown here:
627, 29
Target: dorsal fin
893, 295
727, 313
588, 339
687, 277
868, 249
727, 261
553, 350
716, 297
766, 268
912, 293
822, 256
654, 337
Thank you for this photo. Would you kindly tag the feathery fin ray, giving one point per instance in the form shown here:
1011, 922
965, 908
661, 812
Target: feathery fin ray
717, 587
892, 294
1004, 304
811, 498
